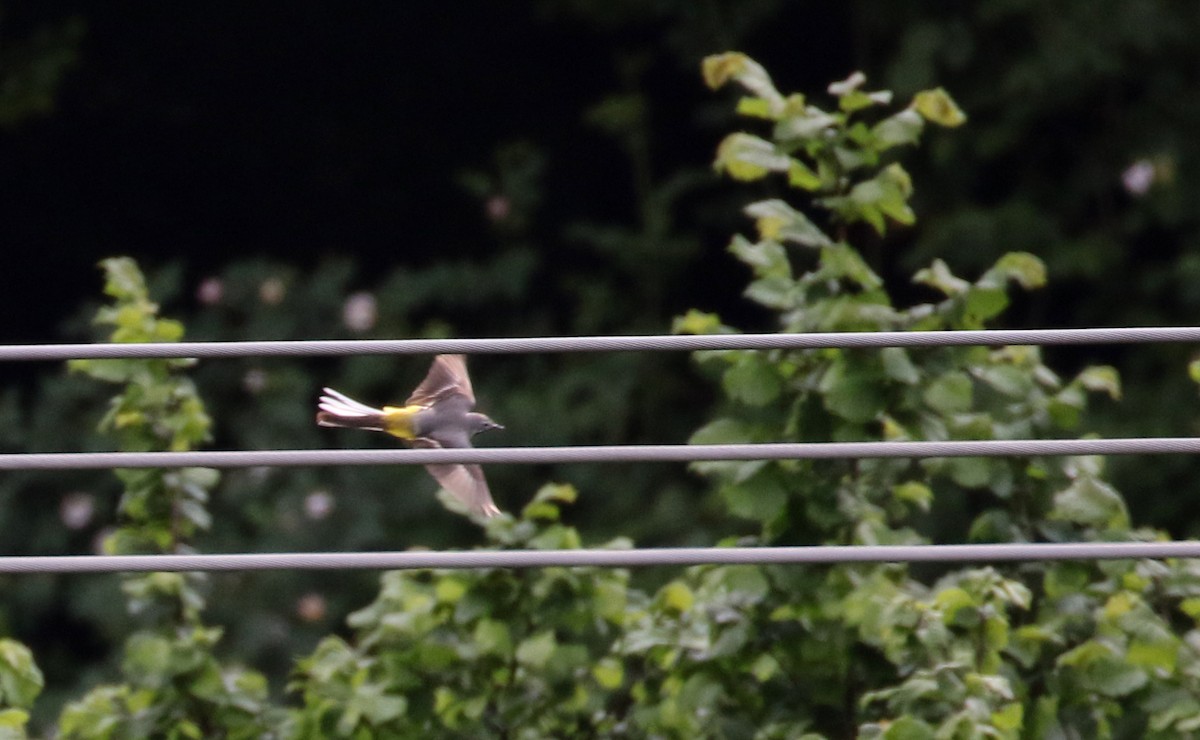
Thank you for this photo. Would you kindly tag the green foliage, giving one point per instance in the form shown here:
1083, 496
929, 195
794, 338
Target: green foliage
978, 652
175, 686
1079, 152
32, 69
834, 155
471, 653
158, 408
20, 684
176, 689
764, 651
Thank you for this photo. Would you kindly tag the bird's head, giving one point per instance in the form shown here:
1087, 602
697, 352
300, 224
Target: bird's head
482, 423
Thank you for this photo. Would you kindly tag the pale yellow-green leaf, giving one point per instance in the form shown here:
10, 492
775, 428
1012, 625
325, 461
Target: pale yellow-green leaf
747, 157
719, 69
609, 673
936, 106
802, 176
1102, 379
677, 596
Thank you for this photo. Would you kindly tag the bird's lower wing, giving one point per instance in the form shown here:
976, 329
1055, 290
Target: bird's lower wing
465, 482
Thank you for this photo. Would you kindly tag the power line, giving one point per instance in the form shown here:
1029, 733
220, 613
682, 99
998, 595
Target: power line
601, 454
686, 556
685, 342
646, 453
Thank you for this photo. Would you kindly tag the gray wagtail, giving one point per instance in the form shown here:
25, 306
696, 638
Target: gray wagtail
437, 414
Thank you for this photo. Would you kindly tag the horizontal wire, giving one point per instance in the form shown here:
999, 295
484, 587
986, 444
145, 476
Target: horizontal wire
646, 453
682, 342
601, 454
683, 556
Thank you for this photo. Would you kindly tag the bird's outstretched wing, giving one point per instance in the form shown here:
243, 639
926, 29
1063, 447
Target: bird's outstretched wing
465, 482
447, 378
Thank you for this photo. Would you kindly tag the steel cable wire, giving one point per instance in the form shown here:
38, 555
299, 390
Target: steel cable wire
684, 342
817, 555
600, 454
647, 453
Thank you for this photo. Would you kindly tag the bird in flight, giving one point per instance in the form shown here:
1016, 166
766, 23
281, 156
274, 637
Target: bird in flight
439, 413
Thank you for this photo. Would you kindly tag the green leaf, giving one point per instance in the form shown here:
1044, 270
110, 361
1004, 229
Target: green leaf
1101, 379
376, 706
1023, 267
21, 680
806, 125
698, 322
562, 493
856, 101
449, 590
851, 84
1090, 502
761, 498
840, 260
719, 69
123, 279
801, 176
936, 106
12, 724
938, 275
886, 194
970, 472
983, 304
677, 597
1064, 414
747, 157
776, 220
1174, 709
853, 392
896, 208
1161, 655
951, 393
776, 293
721, 431
898, 366
149, 657
915, 493
1009, 719
1014, 382
609, 673
952, 601
167, 330
535, 651
1113, 677
755, 108
908, 728
764, 668
1065, 579
753, 380
768, 257
492, 637
1194, 371
900, 129
1191, 607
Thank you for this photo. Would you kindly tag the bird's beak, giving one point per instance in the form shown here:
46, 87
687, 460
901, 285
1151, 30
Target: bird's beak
496, 426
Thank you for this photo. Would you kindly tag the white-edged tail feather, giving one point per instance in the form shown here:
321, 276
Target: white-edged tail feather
338, 410
352, 407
